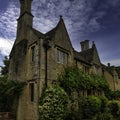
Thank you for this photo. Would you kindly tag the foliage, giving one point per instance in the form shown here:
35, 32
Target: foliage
114, 108
104, 101
73, 115
112, 95
103, 116
9, 91
115, 95
53, 104
5, 68
99, 82
90, 106
74, 79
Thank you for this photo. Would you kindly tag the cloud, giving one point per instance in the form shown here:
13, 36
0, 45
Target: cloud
5, 46
8, 22
78, 16
113, 3
115, 62
8, 26
81, 17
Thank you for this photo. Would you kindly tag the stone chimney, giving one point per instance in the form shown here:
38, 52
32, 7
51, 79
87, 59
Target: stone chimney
108, 64
84, 45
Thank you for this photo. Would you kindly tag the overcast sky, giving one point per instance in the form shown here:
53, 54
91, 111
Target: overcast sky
95, 20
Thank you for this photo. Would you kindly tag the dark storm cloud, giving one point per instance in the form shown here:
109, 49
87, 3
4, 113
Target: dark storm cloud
78, 15
81, 16
84, 19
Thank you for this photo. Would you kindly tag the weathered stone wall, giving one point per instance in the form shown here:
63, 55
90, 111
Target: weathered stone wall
110, 80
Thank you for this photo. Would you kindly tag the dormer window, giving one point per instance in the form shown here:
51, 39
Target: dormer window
62, 57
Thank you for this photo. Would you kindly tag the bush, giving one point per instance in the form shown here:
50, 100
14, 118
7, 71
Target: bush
90, 106
9, 91
114, 108
115, 95
103, 116
53, 104
73, 116
104, 102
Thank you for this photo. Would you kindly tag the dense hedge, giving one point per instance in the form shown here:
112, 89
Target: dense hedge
9, 91
114, 108
54, 101
62, 102
90, 106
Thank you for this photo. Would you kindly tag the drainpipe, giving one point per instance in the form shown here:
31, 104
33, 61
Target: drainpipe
46, 45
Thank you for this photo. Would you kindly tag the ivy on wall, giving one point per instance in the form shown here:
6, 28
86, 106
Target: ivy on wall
75, 79
60, 102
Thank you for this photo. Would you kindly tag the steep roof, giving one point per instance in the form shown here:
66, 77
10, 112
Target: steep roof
89, 56
60, 35
78, 57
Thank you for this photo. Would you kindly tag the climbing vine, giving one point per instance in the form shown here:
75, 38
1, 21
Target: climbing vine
63, 101
75, 79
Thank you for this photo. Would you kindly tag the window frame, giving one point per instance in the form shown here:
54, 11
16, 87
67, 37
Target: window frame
62, 57
33, 53
31, 92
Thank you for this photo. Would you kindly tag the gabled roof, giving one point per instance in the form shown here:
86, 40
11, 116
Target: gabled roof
89, 56
60, 34
77, 56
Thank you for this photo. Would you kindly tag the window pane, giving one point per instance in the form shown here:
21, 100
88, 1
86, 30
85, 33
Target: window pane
31, 92
58, 56
33, 53
62, 57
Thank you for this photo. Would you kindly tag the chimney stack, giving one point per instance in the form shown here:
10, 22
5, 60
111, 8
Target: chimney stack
84, 45
108, 64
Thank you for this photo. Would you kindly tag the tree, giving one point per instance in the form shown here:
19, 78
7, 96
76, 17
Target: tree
9, 92
5, 67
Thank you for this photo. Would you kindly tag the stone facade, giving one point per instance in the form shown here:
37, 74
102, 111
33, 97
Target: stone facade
38, 58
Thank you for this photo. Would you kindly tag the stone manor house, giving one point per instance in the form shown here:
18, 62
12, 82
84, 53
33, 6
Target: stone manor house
38, 58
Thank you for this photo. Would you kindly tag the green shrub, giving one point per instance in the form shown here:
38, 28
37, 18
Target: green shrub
114, 108
9, 91
115, 95
53, 104
104, 102
90, 106
73, 116
103, 116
